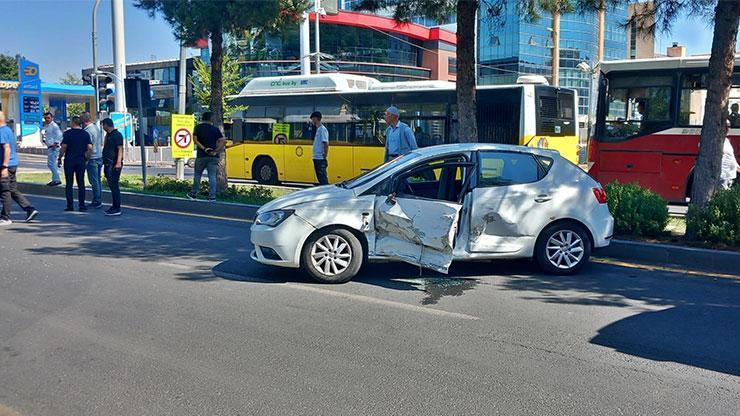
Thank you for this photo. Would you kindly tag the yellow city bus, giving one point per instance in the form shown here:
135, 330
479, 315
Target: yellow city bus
271, 141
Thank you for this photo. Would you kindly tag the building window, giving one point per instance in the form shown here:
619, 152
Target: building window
451, 65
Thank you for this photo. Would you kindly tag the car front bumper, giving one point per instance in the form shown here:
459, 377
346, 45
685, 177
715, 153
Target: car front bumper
281, 245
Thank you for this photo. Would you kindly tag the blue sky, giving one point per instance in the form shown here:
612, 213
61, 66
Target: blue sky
56, 34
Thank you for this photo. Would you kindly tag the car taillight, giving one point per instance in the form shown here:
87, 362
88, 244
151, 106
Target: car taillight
600, 195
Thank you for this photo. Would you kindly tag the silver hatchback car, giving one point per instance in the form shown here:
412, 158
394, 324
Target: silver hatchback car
438, 205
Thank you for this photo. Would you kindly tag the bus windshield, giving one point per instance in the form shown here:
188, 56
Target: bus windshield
637, 105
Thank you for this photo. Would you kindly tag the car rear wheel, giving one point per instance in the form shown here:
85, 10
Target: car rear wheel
332, 256
562, 249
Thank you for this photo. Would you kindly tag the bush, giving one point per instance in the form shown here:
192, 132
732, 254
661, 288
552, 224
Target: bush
250, 194
636, 210
719, 222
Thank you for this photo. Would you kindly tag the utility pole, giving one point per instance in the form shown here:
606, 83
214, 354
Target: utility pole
317, 6
556, 45
181, 91
305, 44
119, 53
95, 54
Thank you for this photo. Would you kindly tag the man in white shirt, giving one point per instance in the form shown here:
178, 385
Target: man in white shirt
729, 165
320, 149
52, 138
95, 163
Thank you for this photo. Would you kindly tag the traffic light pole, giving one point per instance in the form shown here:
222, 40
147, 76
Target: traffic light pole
95, 54
119, 53
142, 128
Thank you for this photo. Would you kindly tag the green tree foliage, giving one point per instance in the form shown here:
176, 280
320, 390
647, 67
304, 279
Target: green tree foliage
75, 109
232, 83
71, 79
9, 67
720, 221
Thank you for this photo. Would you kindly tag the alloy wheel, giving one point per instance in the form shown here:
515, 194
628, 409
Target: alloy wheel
565, 249
331, 255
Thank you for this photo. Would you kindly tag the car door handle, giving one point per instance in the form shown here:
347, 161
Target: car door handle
542, 198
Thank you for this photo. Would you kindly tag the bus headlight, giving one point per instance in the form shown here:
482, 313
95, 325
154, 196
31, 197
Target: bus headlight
273, 218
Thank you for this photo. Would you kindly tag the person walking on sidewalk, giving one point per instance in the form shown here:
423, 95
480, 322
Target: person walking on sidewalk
76, 149
320, 149
95, 163
52, 137
210, 143
112, 164
8, 168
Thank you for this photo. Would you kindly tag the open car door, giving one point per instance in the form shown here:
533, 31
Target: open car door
418, 222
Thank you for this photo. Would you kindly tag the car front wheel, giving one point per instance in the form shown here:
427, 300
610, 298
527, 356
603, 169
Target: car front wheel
562, 249
332, 256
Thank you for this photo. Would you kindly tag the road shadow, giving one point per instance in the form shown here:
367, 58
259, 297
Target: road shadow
463, 277
702, 336
698, 324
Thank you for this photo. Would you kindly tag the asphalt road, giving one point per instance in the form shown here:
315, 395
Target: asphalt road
162, 314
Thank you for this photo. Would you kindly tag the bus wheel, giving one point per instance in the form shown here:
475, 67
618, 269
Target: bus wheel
265, 172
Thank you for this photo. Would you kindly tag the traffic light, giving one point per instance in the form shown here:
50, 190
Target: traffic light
105, 101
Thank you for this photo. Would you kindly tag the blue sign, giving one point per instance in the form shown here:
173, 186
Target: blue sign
29, 94
124, 124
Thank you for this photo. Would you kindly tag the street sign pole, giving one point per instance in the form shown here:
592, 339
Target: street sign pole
142, 128
179, 162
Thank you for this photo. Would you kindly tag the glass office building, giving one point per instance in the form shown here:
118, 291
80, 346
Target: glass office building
509, 47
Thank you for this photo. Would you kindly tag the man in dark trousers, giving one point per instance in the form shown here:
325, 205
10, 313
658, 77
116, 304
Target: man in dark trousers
76, 150
210, 143
8, 168
320, 149
112, 164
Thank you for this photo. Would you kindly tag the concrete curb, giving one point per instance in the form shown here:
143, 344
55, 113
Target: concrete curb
165, 203
717, 261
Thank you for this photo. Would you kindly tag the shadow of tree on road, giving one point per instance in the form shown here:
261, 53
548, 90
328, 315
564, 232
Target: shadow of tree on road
700, 325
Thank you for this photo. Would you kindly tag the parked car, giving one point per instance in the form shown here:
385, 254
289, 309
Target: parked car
437, 205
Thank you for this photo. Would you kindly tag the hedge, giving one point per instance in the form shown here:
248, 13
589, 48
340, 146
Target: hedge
636, 210
719, 222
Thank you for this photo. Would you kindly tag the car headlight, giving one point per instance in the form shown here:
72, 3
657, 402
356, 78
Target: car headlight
273, 218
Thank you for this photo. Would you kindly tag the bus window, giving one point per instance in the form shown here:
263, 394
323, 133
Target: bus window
642, 108
694, 96
498, 115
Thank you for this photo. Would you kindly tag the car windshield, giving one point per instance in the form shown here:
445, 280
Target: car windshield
381, 170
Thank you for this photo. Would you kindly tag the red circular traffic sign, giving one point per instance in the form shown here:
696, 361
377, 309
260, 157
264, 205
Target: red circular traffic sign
183, 138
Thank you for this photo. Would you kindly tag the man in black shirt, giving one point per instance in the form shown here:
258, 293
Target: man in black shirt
76, 149
113, 164
210, 143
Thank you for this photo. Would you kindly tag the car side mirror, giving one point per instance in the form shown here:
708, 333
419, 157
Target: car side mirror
391, 199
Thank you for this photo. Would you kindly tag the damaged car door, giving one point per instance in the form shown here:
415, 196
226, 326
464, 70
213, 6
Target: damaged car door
418, 220
511, 202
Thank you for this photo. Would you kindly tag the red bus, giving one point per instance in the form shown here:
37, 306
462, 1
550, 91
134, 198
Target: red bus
648, 122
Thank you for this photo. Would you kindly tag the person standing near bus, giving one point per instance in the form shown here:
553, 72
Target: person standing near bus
210, 143
399, 139
52, 137
730, 167
320, 149
734, 115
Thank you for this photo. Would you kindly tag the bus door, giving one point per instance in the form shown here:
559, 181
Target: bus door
428, 131
298, 153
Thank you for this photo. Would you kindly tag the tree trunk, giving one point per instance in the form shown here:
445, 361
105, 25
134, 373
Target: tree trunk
467, 15
602, 28
556, 45
217, 102
714, 130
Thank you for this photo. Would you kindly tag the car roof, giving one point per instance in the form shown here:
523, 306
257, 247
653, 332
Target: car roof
473, 147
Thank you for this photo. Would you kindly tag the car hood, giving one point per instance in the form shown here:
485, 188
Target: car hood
319, 193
